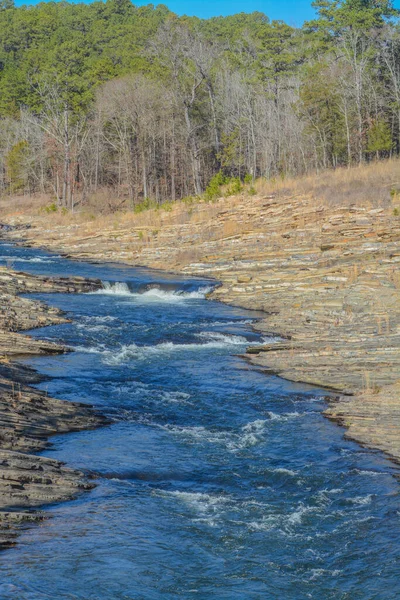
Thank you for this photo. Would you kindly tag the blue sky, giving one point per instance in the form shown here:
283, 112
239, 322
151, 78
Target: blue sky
291, 11
294, 12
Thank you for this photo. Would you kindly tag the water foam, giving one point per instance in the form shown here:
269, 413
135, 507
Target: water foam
369, 473
284, 417
113, 289
95, 323
223, 338
285, 523
237, 322
89, 349
361, 500
207, 508
147, 393
34, 259
250, 435
133, 351
283, 471
154, 294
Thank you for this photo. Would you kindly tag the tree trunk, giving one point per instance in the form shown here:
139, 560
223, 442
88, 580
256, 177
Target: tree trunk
194, 155
67, 162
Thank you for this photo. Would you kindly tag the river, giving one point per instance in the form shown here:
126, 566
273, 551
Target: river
215, 481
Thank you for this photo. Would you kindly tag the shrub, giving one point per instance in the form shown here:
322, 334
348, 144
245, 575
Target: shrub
379, 137
235, 187
51, 208
167, 206
213, 190
15, 165
147, 204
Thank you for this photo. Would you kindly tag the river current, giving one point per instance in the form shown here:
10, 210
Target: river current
216, 481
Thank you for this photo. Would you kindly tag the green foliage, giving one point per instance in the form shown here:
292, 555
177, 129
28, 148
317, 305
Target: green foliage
280, 50
150, 204
147, 204
213, 190
379, 137
231, 156
6, 4
362, 15
252, 191
320, 105
396, 212
239, 94
51, 208
77, 46
167, 206
235, 187
15, 165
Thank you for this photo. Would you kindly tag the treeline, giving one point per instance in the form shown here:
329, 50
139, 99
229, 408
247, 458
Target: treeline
152, 106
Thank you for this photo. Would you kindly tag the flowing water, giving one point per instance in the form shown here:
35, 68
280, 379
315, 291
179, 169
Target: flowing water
215, 481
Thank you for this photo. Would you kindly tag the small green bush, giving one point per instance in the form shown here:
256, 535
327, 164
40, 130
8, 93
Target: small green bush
248, 178
167, 206
147, 204
16, 172
252, 191
213, 190
396, 212
235, 187
51, 208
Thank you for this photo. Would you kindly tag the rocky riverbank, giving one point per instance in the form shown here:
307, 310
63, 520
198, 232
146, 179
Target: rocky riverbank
325, 273
28, 417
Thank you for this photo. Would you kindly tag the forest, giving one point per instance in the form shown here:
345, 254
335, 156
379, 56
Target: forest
150, 107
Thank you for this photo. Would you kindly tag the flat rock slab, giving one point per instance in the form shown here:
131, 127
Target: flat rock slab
28, 417
327, 278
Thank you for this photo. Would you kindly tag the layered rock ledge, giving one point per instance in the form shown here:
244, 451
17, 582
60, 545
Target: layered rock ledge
28, 417
326, 275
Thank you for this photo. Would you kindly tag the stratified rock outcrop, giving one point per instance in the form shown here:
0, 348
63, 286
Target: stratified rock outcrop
28, 417
326, 275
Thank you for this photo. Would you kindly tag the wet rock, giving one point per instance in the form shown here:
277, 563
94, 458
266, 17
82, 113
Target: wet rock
28, 417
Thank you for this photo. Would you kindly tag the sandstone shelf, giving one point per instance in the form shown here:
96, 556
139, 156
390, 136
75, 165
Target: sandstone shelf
326, 277
28, 417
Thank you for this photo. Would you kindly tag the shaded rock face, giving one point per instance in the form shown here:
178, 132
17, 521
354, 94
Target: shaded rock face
29, 417
328, 278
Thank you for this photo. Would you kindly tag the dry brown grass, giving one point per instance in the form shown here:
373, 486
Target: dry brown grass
367, 186
231, 228
22, 205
